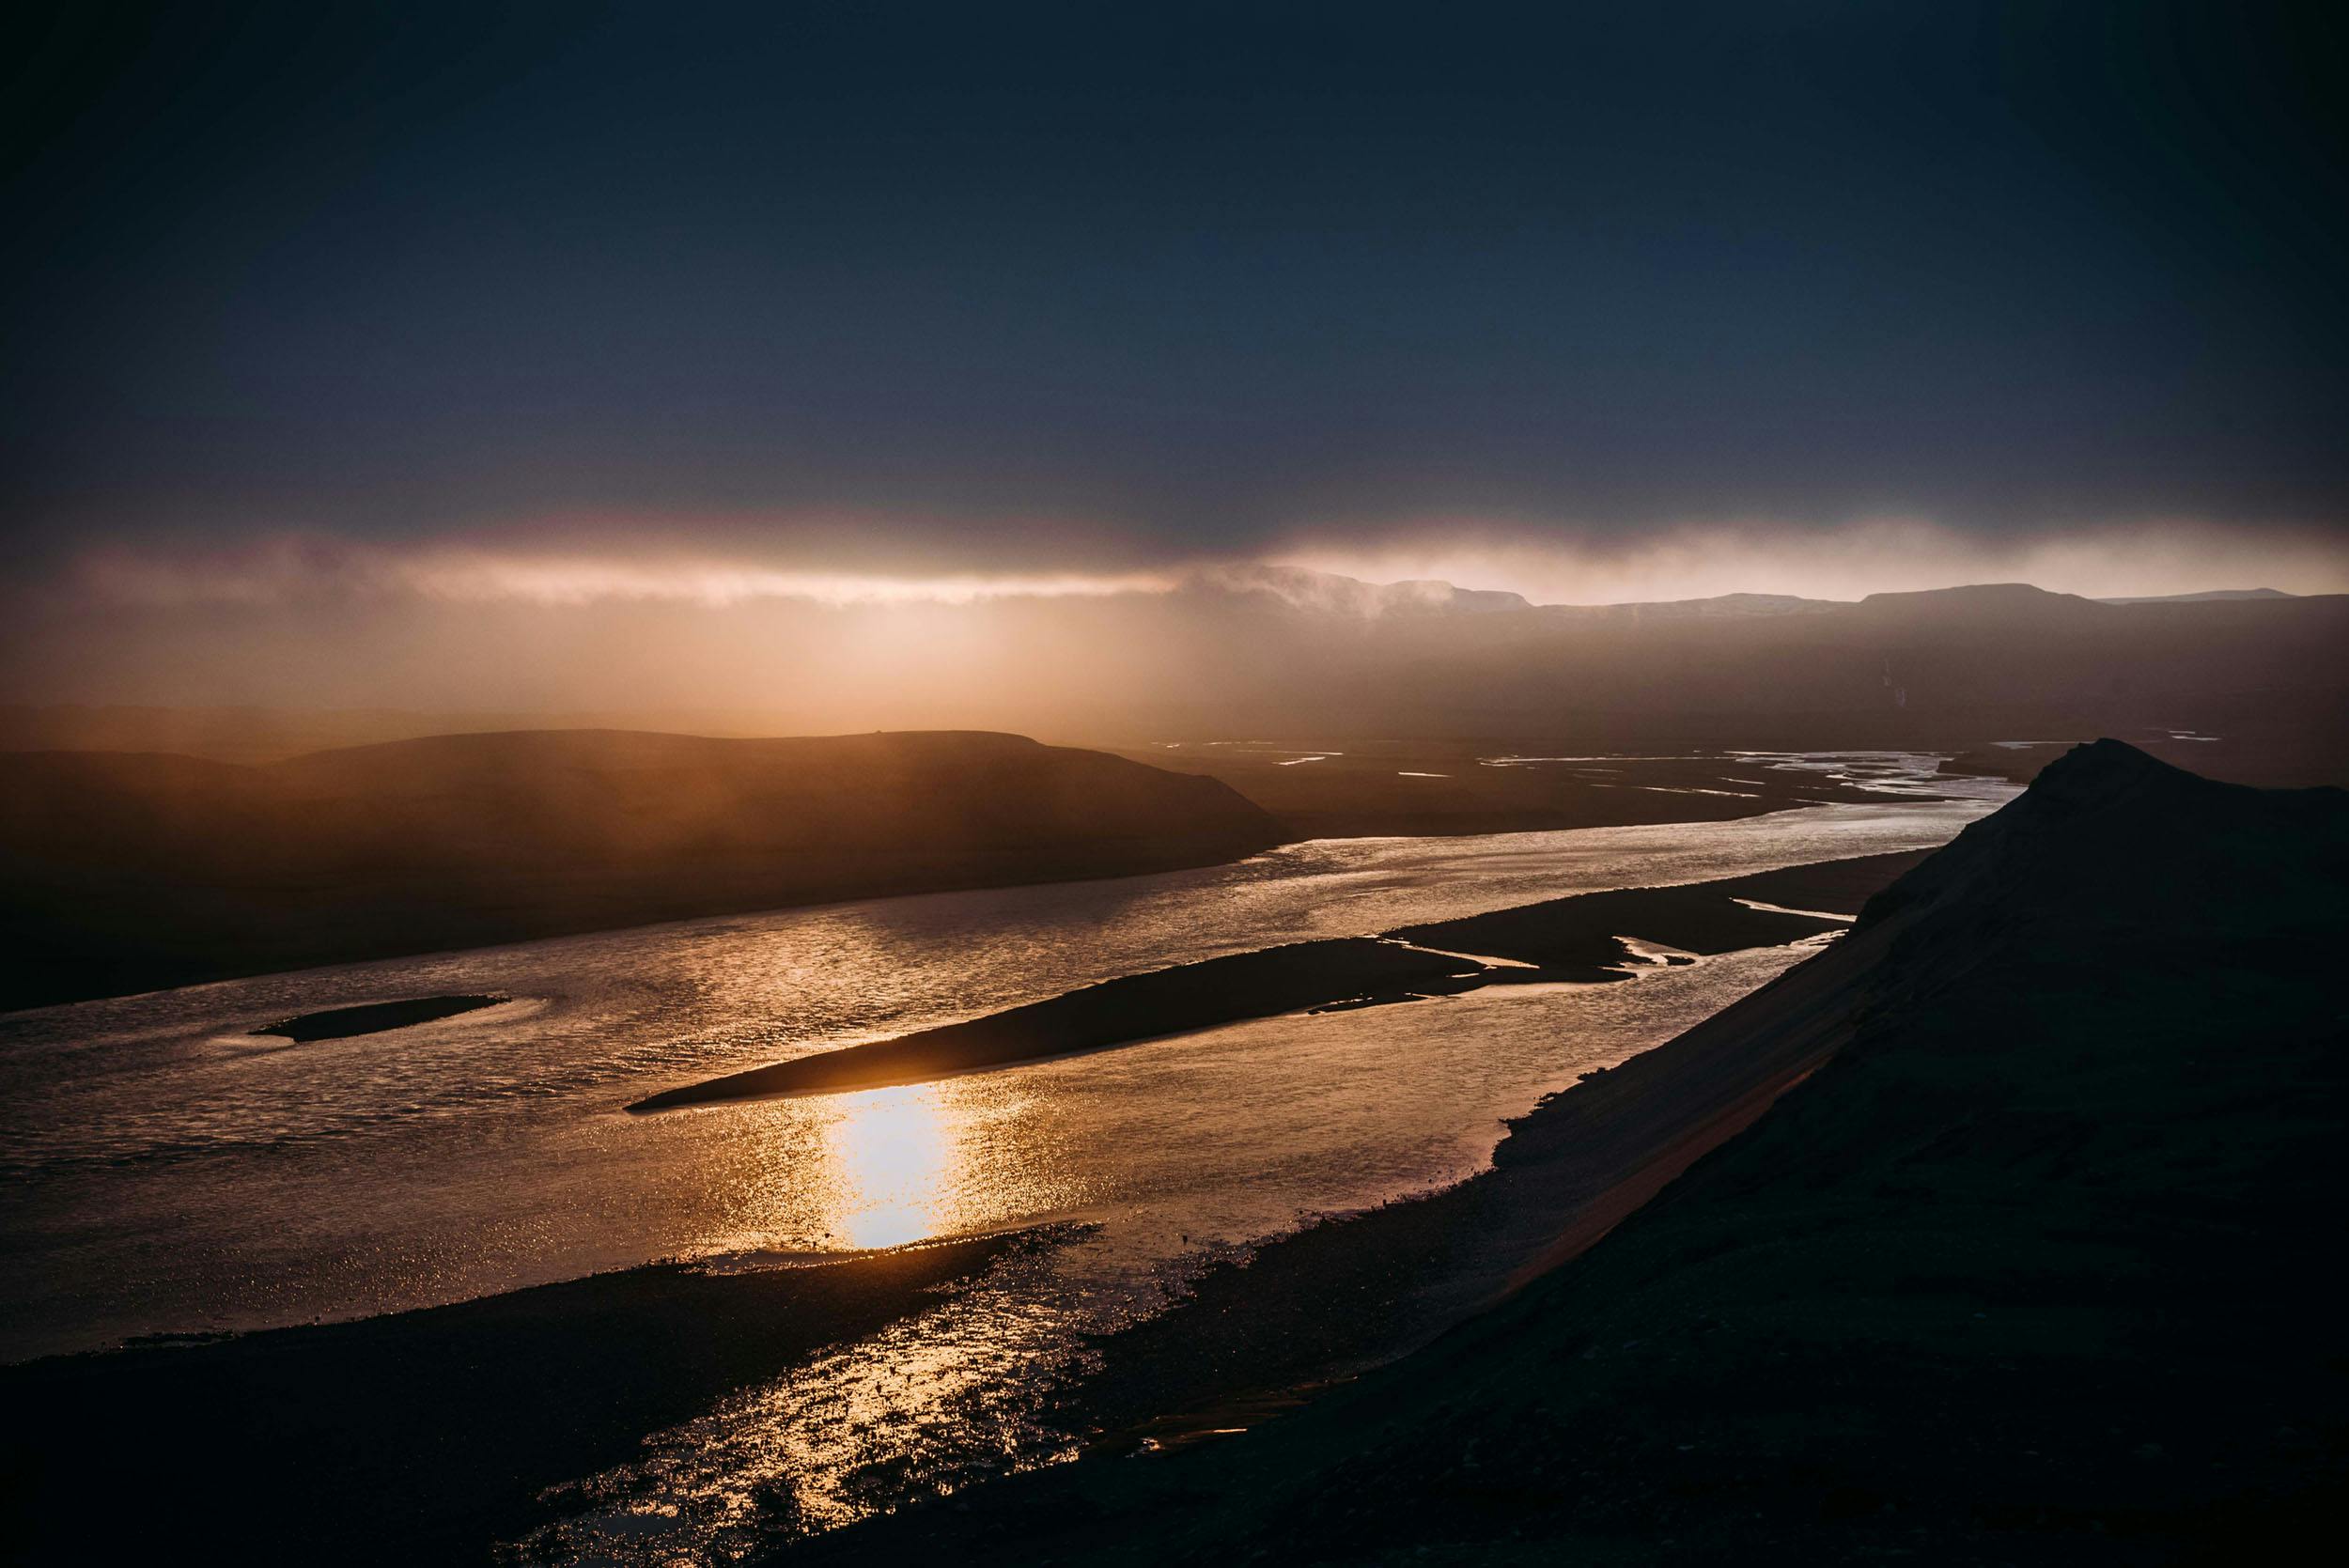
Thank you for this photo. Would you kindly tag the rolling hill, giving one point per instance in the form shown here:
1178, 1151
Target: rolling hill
129, 871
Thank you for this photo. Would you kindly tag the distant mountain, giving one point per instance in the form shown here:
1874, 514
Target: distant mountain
1935, 669
1978, 602
1302, 588
2034, 1260
123, 871
2202, 598
1722, 605
1266, 651
1326, 593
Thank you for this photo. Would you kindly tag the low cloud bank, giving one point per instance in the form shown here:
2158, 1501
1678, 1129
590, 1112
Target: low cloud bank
1545, 565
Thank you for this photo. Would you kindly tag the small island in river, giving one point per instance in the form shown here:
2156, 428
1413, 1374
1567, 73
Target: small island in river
1580, 940
373, 1018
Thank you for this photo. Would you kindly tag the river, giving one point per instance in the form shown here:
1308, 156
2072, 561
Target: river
163, 1170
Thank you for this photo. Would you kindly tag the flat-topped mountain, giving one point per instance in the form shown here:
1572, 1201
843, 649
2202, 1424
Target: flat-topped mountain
1977, 602
133, 871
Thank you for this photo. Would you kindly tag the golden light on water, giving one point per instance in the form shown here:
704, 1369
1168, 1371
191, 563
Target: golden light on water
889, 1161
874, 1168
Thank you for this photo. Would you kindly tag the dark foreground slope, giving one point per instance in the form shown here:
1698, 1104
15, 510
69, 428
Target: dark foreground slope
416, 1438
2039, 1263
128, 871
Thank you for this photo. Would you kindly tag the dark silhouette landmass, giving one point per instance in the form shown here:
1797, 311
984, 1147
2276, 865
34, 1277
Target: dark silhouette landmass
1328, 661
1381, 788
2204, 595
373, 1018
1577, 939
123, 872
421, 1437
2034, 1260
1952, 669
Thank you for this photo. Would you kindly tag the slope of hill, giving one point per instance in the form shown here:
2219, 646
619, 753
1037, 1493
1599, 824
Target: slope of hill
2202, 596
126, 871
2034, 1262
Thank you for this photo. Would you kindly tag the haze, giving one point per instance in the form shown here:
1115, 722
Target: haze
436, 364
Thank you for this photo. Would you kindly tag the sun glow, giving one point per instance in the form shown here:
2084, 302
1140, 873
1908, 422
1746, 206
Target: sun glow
889, 1161
292, 570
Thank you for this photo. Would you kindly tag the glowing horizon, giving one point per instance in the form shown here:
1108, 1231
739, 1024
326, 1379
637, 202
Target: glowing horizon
1697, 560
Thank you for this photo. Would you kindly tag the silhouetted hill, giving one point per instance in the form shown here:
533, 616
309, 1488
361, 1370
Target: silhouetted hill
2035, 1263
1310, 659
1981, 604
2267, 678
2204, 595
126, 871
1719, 606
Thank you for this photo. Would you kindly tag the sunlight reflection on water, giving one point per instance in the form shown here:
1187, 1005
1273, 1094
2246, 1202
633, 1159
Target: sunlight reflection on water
158, 1174
885, 1159
1216, 1139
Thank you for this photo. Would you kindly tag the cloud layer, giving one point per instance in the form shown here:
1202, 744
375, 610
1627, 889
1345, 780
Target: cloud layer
1848, 562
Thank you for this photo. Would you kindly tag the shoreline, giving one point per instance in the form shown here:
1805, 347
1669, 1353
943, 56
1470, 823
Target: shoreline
1566, 1173
250, 924
1939, 1299
1396, 1275
376, 1017
429, 1434
637, 909
1309, 1312
1582, 939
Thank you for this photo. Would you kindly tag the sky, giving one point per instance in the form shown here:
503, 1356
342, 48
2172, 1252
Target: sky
549, 304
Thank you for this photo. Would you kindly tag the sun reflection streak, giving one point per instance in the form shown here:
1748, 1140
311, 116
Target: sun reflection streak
888, 1162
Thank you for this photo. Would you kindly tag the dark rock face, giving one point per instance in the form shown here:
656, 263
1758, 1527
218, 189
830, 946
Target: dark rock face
2040, 1266
128, 871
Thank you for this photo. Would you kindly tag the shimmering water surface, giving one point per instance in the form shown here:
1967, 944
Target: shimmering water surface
166, 1170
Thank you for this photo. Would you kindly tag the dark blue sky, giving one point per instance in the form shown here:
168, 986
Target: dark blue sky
1103, 285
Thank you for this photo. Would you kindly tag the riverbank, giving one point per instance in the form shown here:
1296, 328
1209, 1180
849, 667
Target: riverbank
127, 872
421, 1436
455, 1418
1352, 789
2030, 1260
167, 1172
1330, 1300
